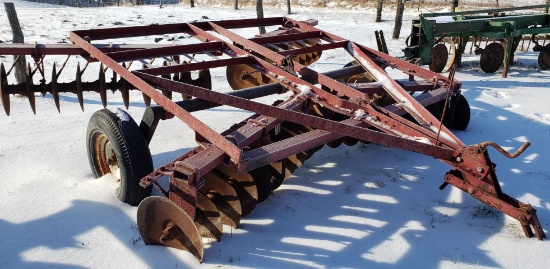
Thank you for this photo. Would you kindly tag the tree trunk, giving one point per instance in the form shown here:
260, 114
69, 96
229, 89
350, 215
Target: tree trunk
260, 13
19, 60
398, 18
236, 4
288, 7
379, 11
454, 5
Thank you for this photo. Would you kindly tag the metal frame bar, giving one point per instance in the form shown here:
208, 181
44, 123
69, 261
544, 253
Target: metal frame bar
477, 171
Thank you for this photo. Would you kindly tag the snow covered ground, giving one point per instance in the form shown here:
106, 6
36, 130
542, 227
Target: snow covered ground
365, 206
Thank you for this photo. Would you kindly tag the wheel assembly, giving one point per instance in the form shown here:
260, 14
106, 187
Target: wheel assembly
116, 145
492, 57
443, 56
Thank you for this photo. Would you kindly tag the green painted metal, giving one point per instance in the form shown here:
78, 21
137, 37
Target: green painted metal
461, 27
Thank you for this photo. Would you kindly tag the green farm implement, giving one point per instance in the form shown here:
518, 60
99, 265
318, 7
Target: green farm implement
440, 39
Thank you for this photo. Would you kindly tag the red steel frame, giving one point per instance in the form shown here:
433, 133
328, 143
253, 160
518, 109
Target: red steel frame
472, 170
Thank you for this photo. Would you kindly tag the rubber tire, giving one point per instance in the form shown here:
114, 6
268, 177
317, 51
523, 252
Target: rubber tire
130, 148
461, 113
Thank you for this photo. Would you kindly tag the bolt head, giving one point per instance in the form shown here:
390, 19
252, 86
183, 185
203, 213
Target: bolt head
479, 169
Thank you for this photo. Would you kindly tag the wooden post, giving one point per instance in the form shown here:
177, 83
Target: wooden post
288, 11
192, 2
398, 18
379, 11
18, 37
236, 4
260, 13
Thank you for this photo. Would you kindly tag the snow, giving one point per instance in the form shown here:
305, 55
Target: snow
365, 206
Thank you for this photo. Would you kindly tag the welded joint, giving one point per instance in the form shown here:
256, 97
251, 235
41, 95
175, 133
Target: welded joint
264, 124
287, 64
233, 139
187, 173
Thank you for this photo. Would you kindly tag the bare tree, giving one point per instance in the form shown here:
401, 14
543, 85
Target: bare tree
288, 7
454, 5
379, 11
192, 2
260, 12
19, 60
398, 18
236, 4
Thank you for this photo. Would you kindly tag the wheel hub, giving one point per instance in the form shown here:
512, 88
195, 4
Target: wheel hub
106, 157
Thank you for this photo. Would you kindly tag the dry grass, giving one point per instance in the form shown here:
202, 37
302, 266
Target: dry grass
464, 4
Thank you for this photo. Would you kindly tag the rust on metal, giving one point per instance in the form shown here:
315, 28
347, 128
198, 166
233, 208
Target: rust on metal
229, 173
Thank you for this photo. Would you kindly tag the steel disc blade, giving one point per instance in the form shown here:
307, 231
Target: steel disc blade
224, 197
3, 93
350, 141
335, 143
314, 56
262, 178
278, 173
79, 87
491, 62
102, 86
544, 59
55, 91
153, 216
357, 78
440, 55
207, 218
205, 79
28, 84
242, 76
125, 90
322, 112
244, 185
